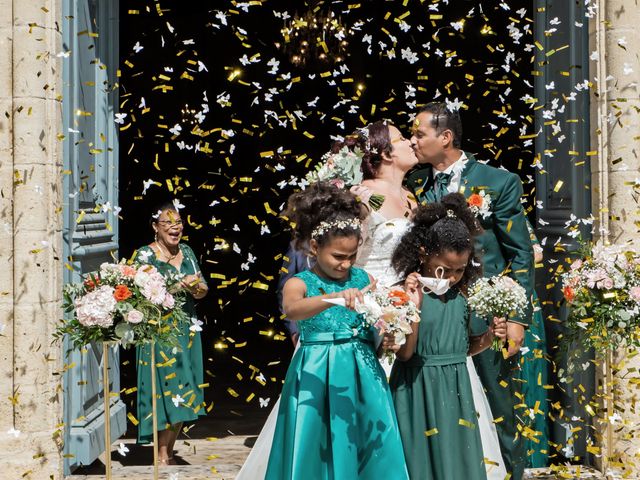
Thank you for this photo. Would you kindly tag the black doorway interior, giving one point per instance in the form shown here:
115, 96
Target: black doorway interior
220, 114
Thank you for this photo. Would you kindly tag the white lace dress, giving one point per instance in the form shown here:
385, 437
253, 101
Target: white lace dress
381, 237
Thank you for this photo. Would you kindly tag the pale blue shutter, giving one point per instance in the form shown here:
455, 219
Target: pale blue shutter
91, 173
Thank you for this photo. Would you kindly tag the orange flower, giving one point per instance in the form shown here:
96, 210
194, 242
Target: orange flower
569, 294
122, 293
398, 297
475, 200
90, 284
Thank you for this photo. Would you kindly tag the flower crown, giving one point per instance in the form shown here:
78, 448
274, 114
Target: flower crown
324, 227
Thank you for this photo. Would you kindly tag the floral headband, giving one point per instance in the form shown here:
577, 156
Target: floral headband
325, 227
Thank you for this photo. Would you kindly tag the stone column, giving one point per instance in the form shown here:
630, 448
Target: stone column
30, 238
615, 120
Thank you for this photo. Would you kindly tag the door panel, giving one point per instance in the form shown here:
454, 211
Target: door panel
90, 34
563, 161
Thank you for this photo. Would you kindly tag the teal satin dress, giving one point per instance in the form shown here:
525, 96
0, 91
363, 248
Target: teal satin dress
336, 418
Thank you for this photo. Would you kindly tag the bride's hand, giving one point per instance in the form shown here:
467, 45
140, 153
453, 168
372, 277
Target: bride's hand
362, 192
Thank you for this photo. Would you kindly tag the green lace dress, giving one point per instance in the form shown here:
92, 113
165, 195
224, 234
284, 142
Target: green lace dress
433, 397
179, 375
336, 418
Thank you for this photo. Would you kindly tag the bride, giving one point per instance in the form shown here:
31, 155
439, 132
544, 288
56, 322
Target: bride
386, 157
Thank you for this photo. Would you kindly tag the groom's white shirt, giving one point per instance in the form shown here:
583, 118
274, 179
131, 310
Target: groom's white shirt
456, 170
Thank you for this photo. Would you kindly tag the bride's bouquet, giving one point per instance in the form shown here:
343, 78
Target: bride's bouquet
343, 170
123, 303
498, 296
389, 310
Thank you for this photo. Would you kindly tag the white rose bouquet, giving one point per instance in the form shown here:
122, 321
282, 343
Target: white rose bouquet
124, 303
498, 296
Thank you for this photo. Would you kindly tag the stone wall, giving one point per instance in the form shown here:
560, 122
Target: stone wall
30, 237
615, 120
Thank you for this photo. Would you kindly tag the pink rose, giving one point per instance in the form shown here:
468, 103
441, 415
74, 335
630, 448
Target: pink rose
576, 265
607, 283
135, 316
169, 301
338, 182
381, 325
128, 270
634, 293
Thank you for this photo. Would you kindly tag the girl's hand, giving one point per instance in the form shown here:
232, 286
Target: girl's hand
412, 287
499, 328
389, 343
350, 296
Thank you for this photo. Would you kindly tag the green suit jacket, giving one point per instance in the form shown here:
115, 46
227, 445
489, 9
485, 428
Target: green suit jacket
505, 245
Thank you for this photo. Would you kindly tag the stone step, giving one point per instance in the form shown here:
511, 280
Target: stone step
222, 458
562, 472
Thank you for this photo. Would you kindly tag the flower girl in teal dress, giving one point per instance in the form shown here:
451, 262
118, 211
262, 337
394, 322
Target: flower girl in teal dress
429, 381
336, 418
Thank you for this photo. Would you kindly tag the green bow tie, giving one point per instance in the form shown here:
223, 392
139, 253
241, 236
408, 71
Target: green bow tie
442, 181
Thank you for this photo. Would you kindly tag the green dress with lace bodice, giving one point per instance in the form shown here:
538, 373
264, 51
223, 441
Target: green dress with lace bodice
336, 418
179, 375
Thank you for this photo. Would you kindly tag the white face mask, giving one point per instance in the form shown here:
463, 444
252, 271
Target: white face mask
437, 284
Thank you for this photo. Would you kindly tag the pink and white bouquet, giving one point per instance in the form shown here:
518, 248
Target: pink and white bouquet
602, 290
389, 310
498, 296
126, 303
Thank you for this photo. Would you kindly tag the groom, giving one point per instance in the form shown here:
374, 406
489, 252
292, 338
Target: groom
504, 247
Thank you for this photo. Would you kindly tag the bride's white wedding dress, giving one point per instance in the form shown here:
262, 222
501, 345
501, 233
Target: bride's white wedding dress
381, 237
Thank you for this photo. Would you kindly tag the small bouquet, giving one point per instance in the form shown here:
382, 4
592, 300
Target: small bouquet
390, 311
602, 290
480, 204
343, 169
123, 303
498, 296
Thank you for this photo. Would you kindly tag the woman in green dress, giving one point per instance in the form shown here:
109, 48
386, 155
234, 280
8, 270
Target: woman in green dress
430, 382
179, 372
535, 377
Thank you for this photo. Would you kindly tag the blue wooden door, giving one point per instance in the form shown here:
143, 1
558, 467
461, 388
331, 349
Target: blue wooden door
90, 101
